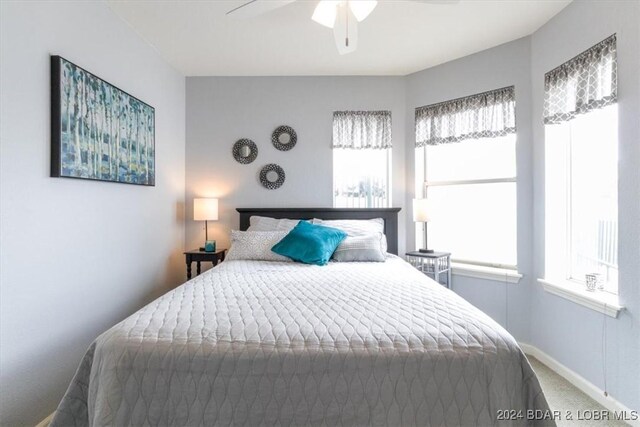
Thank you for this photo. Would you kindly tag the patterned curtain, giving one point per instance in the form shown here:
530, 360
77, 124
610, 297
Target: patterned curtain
484, 115
362, 129
582, 84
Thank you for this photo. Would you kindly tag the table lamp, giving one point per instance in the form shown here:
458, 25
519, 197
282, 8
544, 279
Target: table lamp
206, 210
421, 214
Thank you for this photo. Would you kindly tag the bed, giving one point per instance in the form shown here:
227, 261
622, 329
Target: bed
281, 343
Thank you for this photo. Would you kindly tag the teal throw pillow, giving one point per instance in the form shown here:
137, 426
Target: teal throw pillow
310, 243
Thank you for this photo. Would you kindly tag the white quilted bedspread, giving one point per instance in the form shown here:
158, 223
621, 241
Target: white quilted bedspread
270, 343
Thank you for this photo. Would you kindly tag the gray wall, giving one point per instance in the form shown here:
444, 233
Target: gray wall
77, 256
221, 110
571, 333
505, 65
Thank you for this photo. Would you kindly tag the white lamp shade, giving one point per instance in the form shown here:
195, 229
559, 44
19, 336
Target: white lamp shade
205, 209
421, 210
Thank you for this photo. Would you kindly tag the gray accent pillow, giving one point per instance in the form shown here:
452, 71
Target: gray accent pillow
364, 248
255, 245
357, 227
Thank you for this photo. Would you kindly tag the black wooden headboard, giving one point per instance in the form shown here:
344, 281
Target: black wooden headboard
389, 215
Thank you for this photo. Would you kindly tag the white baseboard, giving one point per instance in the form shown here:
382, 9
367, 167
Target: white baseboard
578, 381
46, 421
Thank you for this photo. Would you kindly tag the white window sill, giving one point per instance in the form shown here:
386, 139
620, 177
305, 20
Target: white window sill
603, 302
487, 273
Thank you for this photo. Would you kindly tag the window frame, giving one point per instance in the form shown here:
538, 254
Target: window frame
425, 191
566, 134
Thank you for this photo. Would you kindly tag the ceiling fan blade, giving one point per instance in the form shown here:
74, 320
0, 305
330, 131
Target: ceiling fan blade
362, 8
325, 12
253, 8
346, 36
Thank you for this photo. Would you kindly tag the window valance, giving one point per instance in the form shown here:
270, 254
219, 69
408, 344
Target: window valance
584, 83
362, 129
484, 115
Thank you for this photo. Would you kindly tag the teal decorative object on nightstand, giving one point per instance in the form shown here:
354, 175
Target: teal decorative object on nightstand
210, 246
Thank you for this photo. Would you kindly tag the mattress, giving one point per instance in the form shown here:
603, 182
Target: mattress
271, 343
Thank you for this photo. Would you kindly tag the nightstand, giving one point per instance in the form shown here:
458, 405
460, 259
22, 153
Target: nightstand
199, 256
435, 264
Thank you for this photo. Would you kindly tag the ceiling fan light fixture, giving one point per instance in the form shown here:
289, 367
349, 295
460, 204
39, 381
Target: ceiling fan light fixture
362, 8
325, 12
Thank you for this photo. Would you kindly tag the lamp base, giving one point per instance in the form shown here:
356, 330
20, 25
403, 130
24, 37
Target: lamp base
425, 251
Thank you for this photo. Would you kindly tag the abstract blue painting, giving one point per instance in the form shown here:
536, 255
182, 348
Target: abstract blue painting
98, 131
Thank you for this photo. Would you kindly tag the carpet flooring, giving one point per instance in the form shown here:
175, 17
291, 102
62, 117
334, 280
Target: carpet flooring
564, 397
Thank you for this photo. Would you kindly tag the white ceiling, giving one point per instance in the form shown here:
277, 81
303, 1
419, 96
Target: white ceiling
398, 38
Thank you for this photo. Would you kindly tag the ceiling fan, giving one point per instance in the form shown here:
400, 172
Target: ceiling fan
340, 15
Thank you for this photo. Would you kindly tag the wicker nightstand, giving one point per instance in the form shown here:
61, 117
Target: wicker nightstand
435, 264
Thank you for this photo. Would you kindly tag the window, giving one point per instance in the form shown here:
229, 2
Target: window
472, 189
582, 197
466, 167
361, 159
581, 167
360, 178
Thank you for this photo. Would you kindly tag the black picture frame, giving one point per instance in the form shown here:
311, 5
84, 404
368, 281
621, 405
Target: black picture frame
99, 112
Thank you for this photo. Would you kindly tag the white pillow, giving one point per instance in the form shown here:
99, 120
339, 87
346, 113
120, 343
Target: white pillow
357, 227
255, 245
365, 248
263, 223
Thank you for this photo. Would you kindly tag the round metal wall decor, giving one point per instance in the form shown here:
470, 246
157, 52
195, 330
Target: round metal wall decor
284, 138
245, 151
272, 176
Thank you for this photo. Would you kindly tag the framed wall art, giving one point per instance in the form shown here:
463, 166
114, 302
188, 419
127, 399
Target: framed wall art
99, 132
